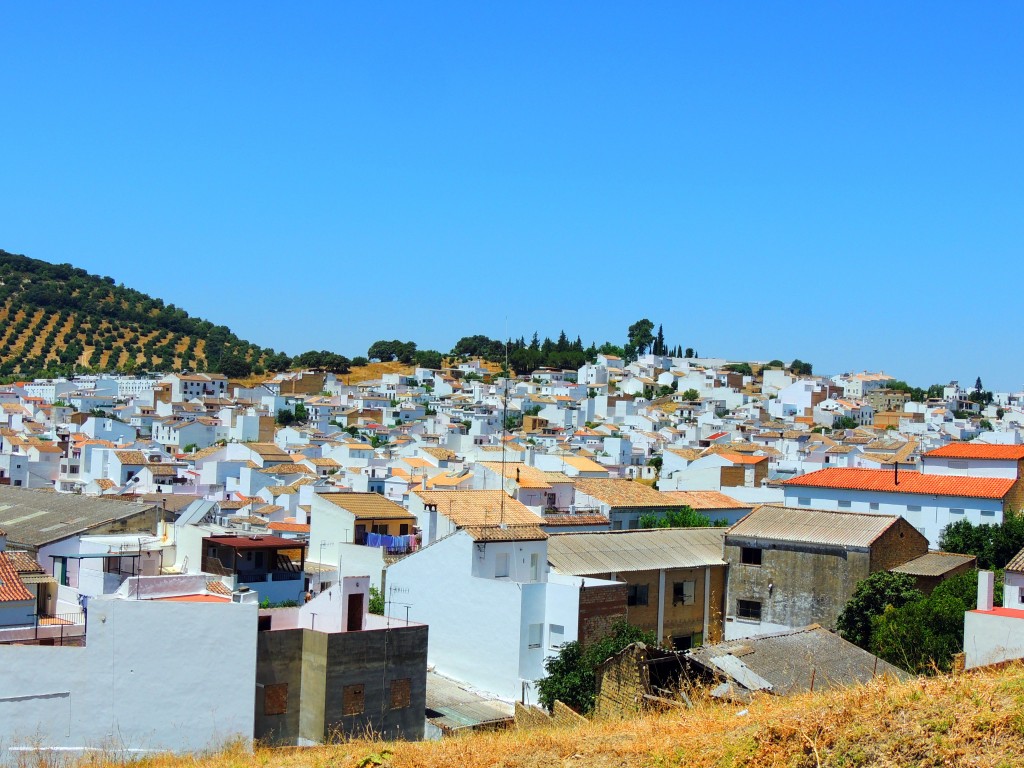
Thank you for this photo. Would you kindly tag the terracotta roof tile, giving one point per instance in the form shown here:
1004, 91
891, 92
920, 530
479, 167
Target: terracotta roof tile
479, 508
909, 482
978, 451
11, 587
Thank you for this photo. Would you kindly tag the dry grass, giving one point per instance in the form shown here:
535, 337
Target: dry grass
966, 720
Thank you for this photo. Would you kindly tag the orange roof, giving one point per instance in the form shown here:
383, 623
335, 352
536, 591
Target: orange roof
289, 527
737, 458
11, 587
977, 451
909, 482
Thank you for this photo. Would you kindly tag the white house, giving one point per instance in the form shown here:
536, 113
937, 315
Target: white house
115, 692
929, 502
495, 612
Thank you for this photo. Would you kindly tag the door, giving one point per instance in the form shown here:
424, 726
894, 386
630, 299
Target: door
355, 612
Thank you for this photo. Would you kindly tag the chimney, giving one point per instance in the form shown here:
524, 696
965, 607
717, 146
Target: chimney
986, 584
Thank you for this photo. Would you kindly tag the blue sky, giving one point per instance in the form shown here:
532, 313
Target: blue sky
839, 183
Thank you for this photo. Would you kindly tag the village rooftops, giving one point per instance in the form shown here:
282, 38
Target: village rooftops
367, 506
843, 478
699, 500
525, 475
467, 509
581, 554
623, 493
977, 451
770, 522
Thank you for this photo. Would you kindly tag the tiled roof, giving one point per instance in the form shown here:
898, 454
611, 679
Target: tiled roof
524, 475
935, 564
707, 500
1017, 563
576, 519
289, 527
286, 469
812, 526
584, 464
977, 451
218, 588
580, 554
130, 457
624, 493
506, 533
737, 458
909, 482
11, 587
479, 508
24, 562
441, 454
369, 506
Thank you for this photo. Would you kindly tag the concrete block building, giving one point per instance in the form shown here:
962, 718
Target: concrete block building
791, 567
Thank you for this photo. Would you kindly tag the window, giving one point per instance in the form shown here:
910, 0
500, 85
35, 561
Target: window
748, 609
956, 511
556, 636
750, 555
873, 506
401, 692
804, 501
845, 503
913, 507
352, 699
682, 592
533, 633
535, 567
501, 566
988, 512
636, 594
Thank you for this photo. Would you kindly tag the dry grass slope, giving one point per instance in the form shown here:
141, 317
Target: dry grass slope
967, 720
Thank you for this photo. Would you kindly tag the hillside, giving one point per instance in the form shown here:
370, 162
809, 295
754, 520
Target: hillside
55, 318
972, 719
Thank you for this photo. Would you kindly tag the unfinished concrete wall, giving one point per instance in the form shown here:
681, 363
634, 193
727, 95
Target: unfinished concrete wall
390, 668
278, 686
794, 586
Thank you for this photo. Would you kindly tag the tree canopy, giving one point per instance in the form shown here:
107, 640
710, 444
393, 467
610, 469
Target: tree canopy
571, 674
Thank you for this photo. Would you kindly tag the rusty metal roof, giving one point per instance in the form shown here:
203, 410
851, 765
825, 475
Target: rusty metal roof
811, 526
580, 554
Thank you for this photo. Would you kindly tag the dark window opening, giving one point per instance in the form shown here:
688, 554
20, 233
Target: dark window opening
636, 594
748, 609
750, 555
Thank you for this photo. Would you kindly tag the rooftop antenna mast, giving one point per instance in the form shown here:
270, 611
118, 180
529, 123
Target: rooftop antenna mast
504, 426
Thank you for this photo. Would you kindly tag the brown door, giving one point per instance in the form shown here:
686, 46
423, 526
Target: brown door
355, 612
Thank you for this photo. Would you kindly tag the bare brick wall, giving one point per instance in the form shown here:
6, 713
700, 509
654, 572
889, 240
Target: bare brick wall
565, 716
901, 543
621, 684
600, 608
734, 477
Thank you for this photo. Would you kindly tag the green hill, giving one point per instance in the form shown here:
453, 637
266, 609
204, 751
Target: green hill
58, 319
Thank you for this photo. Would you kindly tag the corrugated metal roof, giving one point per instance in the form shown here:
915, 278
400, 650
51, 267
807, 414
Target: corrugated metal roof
579, 554
33, 518
812, 526
790, 661
934, 564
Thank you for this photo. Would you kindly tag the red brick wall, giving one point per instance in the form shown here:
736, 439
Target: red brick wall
600, 608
